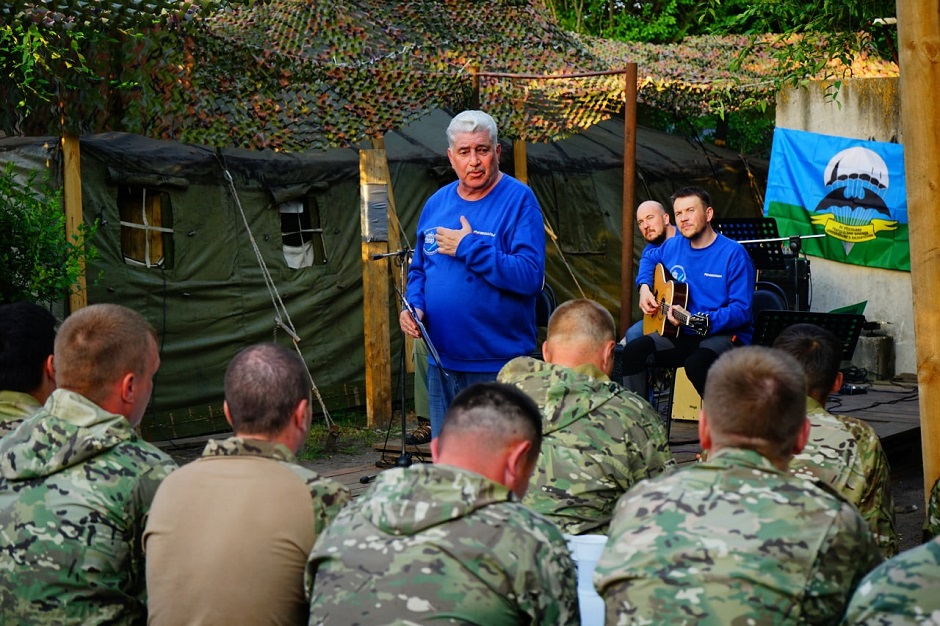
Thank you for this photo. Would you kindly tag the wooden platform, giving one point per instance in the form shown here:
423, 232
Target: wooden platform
892, 410
392, 450
358, 478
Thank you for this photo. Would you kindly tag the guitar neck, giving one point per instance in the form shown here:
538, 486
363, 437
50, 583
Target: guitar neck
682, 317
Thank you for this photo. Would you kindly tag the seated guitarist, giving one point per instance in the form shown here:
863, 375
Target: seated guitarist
720, 278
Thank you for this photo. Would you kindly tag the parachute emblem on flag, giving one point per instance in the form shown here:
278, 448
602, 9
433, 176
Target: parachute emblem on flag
854, 209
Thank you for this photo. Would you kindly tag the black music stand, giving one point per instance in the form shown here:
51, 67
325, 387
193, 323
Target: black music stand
845, 326
753, 233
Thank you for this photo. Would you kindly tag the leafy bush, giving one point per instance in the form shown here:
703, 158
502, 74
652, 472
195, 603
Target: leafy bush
37, 261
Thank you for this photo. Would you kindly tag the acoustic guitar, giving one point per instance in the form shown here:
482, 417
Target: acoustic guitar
669, 292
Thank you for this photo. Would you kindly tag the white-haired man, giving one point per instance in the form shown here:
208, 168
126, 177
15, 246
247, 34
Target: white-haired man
478, 269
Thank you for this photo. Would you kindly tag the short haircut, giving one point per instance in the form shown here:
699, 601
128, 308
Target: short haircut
583, 320
471, 122
818, 350
98, 345
698, 192
264, 383
27, 338
755, 397
500, 411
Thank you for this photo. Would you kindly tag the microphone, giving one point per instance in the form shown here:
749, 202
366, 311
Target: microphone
403, 253
365, 480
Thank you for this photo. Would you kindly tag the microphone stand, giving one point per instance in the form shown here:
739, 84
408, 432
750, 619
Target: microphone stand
401, 258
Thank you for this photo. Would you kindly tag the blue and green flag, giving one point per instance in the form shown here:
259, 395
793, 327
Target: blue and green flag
850, 190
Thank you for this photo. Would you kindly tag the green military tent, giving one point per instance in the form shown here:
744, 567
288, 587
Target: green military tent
173, 244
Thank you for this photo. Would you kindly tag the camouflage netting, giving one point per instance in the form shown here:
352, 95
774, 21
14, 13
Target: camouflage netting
546, 109
294, 75
695, 76
300, 74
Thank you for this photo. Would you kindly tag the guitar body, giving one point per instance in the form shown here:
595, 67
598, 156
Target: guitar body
667, 293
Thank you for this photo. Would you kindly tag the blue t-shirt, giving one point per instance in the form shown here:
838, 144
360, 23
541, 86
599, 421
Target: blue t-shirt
720, 279
479, 306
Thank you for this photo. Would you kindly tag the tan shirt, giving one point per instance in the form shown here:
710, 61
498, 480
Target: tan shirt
228, 537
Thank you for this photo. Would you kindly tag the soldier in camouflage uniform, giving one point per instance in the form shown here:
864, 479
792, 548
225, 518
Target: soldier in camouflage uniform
598, 439
76, 481
228, 497
27, 377
450, 542
737, 539
843, 452
901, 591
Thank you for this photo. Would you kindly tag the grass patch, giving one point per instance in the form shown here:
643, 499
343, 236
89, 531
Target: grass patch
353, 435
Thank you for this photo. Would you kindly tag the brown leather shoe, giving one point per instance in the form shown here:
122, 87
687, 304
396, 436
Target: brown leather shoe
421, 434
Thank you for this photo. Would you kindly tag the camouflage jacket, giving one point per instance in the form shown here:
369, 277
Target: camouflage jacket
599, 439
846, 454
76, 483
932, 523
732, 540
328, 496
433, 543
902, 591
15, 407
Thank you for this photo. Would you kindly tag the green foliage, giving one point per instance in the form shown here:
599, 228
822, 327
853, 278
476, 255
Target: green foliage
787, 42
657, 21
811, 40
748, 131
70, 60
37, 262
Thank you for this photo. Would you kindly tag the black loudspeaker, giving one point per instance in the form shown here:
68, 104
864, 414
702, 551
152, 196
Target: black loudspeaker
797, 290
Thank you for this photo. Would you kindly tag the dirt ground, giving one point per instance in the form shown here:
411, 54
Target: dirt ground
907, 487
907, 481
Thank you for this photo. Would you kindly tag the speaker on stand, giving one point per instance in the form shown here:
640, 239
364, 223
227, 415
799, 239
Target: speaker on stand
794, 280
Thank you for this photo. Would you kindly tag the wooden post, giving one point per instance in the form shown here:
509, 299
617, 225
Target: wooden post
919, 46
520, 159
629, 178
375, 299
395, 243
72, 195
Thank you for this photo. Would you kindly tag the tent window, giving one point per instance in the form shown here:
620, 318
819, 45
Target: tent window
302, 233
146, 227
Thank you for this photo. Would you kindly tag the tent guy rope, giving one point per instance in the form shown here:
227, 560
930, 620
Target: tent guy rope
282, 318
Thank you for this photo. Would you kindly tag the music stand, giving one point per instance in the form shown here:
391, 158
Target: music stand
753, 233
845, 326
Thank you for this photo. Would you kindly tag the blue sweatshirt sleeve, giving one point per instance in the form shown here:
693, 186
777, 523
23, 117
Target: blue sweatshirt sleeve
650, 256
416, 278
521, 268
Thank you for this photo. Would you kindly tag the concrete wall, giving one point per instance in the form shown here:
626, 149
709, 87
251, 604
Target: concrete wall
867, 109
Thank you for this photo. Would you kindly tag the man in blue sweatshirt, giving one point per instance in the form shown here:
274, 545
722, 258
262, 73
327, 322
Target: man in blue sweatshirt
478, 268
720, 278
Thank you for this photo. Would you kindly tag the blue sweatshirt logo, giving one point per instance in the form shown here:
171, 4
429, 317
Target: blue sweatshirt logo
430, 241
